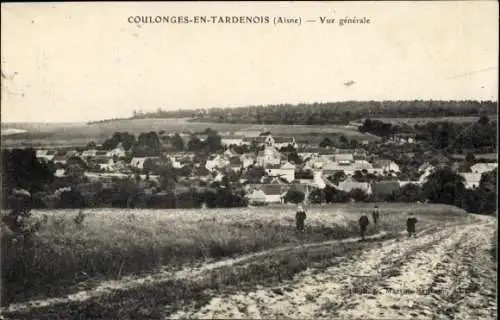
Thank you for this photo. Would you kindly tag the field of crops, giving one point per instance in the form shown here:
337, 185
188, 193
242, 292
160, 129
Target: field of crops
423, 120
111, 243
80, 134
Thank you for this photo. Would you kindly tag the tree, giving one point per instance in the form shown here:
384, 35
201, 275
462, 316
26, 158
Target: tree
195, 144
326, 143
150, 141
294, 196
293, 157
22, 169
91, 145
213, 142
484, 120
177, 142
444, 186
358, 195
254, 174
470, 157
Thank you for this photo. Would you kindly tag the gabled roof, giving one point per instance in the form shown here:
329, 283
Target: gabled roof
484, 167
344, 157
272, 166
288, 166
381, 163
60, 158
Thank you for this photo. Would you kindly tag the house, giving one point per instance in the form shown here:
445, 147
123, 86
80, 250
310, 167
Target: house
362, 165
175, 161
274, 193
332, 167
118, 152
281, 142
45, 155
63, 160
381, 166
230, 153
344, 158
256, 197
235, 164
278, 180
273, 170
139, 162
287, 171
269, 156
234, 141
472, 179
426, 166
87, 154
216, 162
72, 153
349, 185
247, 160
60, 173
382, 189
483, 167
104, 163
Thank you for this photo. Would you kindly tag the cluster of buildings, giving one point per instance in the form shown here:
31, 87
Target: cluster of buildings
279, 172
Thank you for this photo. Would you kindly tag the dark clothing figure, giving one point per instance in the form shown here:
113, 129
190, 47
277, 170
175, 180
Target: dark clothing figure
363, 225
300, 217
375, 216
410, 225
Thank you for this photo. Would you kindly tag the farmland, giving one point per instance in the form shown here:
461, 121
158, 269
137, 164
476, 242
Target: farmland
74, 134
422, 120
189, 263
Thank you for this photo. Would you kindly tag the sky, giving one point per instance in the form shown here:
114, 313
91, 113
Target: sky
77, 62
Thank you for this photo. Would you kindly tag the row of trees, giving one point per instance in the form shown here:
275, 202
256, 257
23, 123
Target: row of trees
328, 113
479, 136
151, 143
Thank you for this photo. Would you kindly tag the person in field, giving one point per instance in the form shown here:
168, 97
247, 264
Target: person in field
410, 225
375, 215
300, 217
363, 225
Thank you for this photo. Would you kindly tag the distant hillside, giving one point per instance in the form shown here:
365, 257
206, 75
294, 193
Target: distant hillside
330, 112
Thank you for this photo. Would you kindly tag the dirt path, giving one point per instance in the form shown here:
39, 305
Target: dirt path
448, 273
192, 273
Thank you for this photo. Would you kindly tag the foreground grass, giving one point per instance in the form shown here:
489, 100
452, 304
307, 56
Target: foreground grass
113, 243
156, 301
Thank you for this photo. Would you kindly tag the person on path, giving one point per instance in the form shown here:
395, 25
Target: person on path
363, 225
410, 224
375, 215
300, 217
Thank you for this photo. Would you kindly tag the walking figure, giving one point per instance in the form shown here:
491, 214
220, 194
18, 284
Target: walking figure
363, 225
375, 215
300, 217
410, 224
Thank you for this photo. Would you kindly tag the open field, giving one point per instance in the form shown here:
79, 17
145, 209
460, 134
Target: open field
423, 120
487, 156
157, 263
80, 134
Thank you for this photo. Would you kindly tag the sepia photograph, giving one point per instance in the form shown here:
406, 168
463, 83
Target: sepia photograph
249, 160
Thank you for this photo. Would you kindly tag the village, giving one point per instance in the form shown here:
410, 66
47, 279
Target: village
266, 167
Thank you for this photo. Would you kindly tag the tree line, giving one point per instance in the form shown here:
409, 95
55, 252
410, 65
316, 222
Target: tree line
479, 136
329, 112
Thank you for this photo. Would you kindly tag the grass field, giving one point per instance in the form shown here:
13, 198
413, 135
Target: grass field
80, 134
113, 243
423, 120
487, 156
